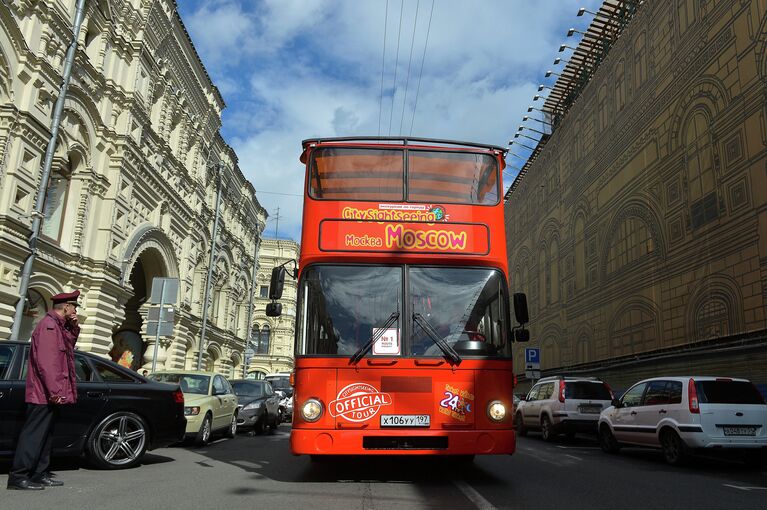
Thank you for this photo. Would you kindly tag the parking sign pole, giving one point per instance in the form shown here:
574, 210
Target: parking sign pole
160, 318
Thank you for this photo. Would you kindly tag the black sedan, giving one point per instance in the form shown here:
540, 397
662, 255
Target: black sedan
259, 405
119, 415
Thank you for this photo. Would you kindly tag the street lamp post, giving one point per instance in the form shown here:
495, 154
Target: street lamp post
37, 214
252, 292
209, 280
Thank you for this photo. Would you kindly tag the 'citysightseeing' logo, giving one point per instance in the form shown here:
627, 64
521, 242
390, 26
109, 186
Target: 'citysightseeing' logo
358, 402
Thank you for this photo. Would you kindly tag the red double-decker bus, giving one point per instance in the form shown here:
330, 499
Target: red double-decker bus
403, 330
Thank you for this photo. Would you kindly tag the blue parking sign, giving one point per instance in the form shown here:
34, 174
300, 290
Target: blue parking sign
532, 355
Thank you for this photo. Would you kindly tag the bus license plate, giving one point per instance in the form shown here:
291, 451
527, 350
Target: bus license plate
739, 431
405, 420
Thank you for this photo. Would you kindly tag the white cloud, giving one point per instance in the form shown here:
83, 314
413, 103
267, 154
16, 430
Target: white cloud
295, 69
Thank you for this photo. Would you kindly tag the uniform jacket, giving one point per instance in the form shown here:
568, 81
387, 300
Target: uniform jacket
51, 365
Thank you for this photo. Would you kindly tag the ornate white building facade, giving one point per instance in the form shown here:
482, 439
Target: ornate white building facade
133, 185
272, 338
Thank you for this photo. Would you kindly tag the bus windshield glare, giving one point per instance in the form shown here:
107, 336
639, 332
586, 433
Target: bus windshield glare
342, 307
379, 174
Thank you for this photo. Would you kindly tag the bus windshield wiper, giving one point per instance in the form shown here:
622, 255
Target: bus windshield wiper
445, 347
357, 356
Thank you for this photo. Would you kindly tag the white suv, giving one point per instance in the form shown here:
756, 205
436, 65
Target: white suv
683, 414
562, 404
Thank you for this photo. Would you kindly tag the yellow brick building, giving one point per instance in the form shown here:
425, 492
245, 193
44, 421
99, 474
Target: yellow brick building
639, 231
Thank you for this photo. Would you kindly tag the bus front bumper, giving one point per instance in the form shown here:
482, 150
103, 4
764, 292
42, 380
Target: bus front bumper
401, 442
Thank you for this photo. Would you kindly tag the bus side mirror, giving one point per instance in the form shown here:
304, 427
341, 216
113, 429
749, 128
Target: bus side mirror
520, 308
522, 335
278, 283
273, 309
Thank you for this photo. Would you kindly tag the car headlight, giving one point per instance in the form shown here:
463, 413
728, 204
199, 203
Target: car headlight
496, 411
311, 410
191, 411
252, 405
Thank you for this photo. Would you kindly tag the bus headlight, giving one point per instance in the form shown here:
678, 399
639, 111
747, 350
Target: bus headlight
496, 411
311, 410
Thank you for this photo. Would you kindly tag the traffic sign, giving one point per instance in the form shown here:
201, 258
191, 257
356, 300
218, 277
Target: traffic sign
164, 291
532, 355
533, 374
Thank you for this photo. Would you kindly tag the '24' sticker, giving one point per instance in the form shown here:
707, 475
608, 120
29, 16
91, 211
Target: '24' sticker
455, 402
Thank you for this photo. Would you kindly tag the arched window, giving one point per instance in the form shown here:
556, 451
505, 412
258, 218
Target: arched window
686, 11
630, 242
640, 60
701, 181
255, 337
713, 319
580, 254
553, 292
602, 108
620, 87
56, 195
263, 344
543, 275
583, 350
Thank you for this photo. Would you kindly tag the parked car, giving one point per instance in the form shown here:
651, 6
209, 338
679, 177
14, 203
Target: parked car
258, 405
280, 381
286, 409
681, 415
210, 403
560, 404
118, 417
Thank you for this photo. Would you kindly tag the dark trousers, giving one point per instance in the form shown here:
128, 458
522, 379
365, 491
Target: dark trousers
33, 450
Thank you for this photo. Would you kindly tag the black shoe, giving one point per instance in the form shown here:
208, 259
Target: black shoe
47, 481
24, 484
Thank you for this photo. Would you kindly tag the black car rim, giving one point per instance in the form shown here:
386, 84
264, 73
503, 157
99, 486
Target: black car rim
121, 440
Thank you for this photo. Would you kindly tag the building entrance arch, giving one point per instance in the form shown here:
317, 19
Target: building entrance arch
149, 255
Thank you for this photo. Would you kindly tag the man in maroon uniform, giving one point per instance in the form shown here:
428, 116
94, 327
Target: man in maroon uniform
50, 383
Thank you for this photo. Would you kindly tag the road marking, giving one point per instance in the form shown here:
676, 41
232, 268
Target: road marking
573, 456
578, 447
475, 497
742, 488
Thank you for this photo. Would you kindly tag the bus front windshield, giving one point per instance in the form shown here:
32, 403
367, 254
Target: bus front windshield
343, 307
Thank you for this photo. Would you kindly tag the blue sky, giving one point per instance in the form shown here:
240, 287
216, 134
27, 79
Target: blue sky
295, 69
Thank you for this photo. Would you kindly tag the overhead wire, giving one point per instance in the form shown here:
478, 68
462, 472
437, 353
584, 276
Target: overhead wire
420, 74
383, 62
410, 61
396, 64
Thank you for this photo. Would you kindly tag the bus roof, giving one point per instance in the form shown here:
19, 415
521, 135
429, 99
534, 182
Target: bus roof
400, 140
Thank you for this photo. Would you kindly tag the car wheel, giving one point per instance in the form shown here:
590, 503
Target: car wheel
119, 441
674, 449
258, 428
607, 440
273, 426
547, 432
203, 435
519, 425
232, 430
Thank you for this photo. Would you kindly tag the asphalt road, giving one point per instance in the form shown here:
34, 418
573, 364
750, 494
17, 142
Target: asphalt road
259, 472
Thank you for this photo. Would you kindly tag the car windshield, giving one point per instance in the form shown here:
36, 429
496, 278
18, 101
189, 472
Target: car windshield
342, 307
585, 390
197, 384
249, 389
728, 392
279, 382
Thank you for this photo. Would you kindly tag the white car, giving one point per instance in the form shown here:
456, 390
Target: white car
681, 415
562, 404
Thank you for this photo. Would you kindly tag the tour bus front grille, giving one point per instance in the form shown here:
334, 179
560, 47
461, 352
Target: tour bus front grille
404, 442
